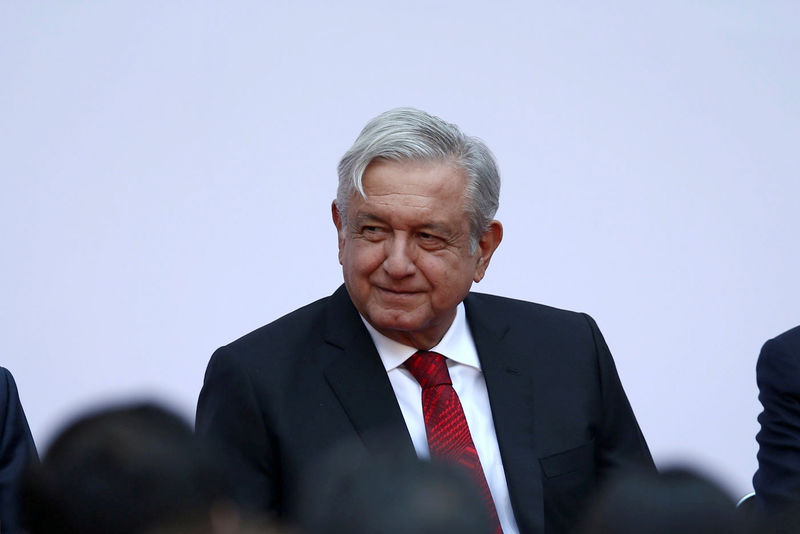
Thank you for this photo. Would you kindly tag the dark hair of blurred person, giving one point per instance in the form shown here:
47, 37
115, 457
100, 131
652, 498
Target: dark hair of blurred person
225, 521
678, 500
353, 492
125, 470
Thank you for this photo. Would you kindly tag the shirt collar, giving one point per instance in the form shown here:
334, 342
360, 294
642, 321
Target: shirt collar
456, 344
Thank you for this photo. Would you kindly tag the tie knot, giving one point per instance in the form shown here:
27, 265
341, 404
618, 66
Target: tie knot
429, 368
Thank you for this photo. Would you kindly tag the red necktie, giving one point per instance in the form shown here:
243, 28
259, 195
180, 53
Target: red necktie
448, 434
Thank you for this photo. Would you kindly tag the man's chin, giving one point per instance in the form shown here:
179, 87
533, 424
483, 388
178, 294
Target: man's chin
396, 326
400, 321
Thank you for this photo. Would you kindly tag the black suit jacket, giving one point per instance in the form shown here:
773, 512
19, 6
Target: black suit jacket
281, 395
16, 450
777, 481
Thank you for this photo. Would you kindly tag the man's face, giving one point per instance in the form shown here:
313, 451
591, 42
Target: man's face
405, 249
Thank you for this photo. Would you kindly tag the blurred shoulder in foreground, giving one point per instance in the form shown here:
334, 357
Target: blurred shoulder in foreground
676, 500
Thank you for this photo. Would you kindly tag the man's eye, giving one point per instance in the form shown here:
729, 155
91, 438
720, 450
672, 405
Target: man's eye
429, 240
371, 231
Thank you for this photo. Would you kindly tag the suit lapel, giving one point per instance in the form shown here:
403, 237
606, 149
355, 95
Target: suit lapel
509, 384
360, 383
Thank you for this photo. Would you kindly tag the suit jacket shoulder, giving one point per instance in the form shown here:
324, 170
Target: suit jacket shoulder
293, 329
779, 362
526, 318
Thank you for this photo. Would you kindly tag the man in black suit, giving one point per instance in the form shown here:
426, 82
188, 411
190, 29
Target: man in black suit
544, 407
16, 450
777, 481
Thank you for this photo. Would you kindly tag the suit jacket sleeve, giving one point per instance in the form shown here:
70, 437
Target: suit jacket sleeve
16, 450
620, 442
230, 419
777, 481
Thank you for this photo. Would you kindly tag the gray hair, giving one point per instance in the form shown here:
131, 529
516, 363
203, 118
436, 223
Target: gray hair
408, 134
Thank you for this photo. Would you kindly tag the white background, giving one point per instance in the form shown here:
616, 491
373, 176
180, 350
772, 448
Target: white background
167, 170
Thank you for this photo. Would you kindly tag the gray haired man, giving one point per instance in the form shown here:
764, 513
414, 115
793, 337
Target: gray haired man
405, 358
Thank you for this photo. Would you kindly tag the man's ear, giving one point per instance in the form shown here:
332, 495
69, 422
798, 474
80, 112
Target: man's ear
487, 244
337, 221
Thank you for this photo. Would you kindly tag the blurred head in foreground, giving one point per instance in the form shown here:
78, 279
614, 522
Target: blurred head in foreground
676, 500
358, 493
126, 470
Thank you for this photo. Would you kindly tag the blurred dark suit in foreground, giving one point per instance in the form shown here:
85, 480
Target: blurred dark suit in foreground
777, 481
16, 450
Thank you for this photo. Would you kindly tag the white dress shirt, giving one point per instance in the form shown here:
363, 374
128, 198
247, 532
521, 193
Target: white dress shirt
465, 372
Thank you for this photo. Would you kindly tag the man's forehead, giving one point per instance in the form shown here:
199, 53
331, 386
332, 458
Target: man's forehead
380, 201
426, 179
411, 163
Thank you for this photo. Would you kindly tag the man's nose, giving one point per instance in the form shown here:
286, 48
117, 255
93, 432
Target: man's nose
399, 261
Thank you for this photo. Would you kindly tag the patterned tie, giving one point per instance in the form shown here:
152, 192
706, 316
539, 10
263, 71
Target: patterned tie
448, 434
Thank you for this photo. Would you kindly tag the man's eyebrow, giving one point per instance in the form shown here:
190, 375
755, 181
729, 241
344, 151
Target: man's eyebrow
367, 217
432, 226
436, 227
